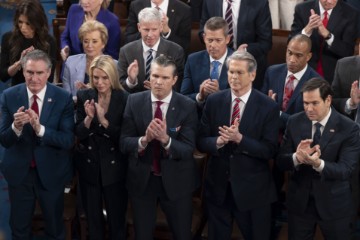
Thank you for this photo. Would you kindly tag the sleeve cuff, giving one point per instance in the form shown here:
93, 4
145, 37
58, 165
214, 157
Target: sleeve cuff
295, 161
321, 167
141, 147
17, 132
130, 85
42, 131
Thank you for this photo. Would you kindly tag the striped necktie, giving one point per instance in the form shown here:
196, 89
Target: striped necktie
229, 20
149, 59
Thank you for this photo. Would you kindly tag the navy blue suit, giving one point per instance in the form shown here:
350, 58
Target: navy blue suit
254, 28
244, 168
275, 77
197, 69
51, 153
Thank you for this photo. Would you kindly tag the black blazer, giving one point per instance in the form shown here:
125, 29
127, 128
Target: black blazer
178, 169
98, 155
179, 15
340, 149
342, 24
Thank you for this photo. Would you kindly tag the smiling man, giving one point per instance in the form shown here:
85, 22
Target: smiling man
135, 57
36, 130
239, 131
321, 149
158, 133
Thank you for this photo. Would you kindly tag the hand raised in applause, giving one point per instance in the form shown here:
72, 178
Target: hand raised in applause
314, 22
21, 118
34, 120
354, 94
133, 71
305, 154
272, 95
207, 87
229, 134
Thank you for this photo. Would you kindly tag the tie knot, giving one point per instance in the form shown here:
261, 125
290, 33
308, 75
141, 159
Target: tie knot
35, 97
215, 64
318, 125
291, 77
150, 50
325, 14
237, 100
229, 1
158, 103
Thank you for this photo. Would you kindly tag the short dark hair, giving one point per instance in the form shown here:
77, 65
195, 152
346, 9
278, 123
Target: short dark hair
318, 83
302, 38
165, 61
216, 23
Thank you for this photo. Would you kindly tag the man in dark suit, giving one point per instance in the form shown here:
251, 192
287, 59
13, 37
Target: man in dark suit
321, 149
158, 132
239, 130
332, 27
205, 71
37, 143
252, 28
135, 57
176, 17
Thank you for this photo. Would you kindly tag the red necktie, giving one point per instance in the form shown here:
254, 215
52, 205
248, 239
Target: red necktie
319, 67
236, 111
288, 91
156, 144
35, 108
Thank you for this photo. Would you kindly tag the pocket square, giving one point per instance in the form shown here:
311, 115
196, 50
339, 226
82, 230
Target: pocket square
176, 129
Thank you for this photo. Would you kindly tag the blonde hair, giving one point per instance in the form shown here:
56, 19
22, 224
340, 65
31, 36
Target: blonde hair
105, 4
105, 63
92, 26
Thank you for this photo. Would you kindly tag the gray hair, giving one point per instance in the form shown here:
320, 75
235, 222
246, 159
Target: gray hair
243, 56
36, 55
149, 15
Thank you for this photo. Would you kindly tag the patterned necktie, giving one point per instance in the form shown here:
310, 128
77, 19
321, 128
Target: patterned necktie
215, 70
229, 20
149, 59
156, 144
288, 91
317, 134
35, 108
319, 67
236, 111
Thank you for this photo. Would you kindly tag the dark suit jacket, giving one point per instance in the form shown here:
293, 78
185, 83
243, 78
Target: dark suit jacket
75, 18
52, 151
197, 69
245, 166
134, 50
178, 169
275, 79
342, 24
346, 72
99, 146
254, 27
179, 15
340, 148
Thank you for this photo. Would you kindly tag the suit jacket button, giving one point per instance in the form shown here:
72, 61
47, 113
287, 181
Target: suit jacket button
112, 149
89, 161
99, 124
112, 162
89, 147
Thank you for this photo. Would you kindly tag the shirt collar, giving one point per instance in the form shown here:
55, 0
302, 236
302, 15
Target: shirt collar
324, 121
155, 47
322, 10
164, 100
163, 6
299, 74
244, 97
221, 60
40, 95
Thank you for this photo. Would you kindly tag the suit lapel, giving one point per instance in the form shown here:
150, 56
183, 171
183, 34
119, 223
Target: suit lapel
171, 13
223, 81
335, 17
297, 90
281, 84
329, 130
48, 103
243, 12
147, 114
249, 113
139, 56
172, 112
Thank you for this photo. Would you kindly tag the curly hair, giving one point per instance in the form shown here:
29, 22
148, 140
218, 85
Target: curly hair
36, 16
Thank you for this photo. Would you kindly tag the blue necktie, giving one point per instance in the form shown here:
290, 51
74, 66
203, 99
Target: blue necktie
215, 70
317, 134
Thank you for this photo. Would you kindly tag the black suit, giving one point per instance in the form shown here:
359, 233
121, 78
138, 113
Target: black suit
342, 24
325, 197
134, 50
178, 177
179, 15
241, 169
253, 28
101, 166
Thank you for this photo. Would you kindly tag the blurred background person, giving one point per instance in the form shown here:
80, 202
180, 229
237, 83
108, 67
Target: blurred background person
31, 31
100, 164
93, 36
88, 10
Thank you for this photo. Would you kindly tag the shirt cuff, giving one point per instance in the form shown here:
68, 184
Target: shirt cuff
42, 131
295, 161
17, 131
348, 107
330, 40
198, 100
167, 145
141, 147
304, 33
321, 167
130, 85
167, 35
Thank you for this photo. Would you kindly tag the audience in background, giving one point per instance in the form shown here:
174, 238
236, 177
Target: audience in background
98, 160
30, 31
135, 57
176, 20
84, 11
332, 27
282, 13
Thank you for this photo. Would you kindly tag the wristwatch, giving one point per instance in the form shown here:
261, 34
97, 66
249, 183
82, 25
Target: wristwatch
328, 36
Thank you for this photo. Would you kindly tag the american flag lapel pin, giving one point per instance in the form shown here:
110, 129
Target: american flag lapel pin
332, 130
49, 99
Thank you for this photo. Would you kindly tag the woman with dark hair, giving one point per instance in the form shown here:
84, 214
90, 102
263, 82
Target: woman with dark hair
30, 32
88, 10
100, 164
